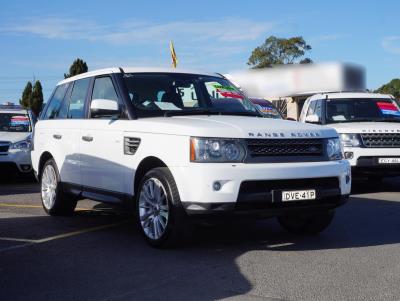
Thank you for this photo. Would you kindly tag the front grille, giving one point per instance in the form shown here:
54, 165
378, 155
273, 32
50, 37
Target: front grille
382, 140
4, 145
131, 145
285, 147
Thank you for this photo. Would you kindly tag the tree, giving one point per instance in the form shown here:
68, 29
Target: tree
37, 98
78, 66
26, 99
392, 87
279, 51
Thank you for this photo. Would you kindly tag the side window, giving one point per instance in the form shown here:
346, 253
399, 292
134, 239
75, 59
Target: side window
311, 108
76, 109
55, 102
318, 109
104, 89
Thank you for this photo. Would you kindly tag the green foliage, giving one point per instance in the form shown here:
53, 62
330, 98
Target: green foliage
392, 87
78, 66
26, 99
279, 51
32, 97
37, 98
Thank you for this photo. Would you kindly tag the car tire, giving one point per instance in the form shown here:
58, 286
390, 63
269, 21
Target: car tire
307, 224
161, 218
55, 202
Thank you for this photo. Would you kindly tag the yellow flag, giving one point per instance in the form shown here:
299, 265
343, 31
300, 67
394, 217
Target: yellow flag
173, 55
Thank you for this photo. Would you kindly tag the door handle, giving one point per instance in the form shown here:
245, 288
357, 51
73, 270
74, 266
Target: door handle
57, 136
87, 138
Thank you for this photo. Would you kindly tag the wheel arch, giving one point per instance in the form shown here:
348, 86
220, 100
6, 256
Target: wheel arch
144, 166
43, 159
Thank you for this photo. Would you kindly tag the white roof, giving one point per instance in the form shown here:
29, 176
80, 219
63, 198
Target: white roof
133, 70
11, 111
350, 95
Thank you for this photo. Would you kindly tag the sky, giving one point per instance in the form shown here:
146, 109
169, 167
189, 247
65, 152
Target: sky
40, 39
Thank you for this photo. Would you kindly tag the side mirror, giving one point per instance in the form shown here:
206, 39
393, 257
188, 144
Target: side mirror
104, 108
313, 119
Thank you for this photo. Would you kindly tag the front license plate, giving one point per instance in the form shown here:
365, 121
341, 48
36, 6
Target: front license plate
389, 160
298, 195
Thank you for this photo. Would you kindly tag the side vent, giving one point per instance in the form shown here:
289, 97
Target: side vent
131, 145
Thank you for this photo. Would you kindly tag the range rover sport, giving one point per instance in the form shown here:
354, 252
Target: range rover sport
179, 144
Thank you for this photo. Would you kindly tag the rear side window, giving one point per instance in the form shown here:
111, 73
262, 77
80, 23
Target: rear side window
76, 108
55, 102
104, 89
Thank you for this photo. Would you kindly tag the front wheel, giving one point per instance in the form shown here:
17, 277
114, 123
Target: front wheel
161, 219
307, 224
54, 201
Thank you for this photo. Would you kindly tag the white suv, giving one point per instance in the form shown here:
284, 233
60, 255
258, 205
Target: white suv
178, 144
368, 125
16, 126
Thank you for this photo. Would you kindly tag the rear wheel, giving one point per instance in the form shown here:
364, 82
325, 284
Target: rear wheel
307, 224
54, 201
161, 219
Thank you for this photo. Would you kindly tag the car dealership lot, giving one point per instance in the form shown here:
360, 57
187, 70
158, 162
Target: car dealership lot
98, 254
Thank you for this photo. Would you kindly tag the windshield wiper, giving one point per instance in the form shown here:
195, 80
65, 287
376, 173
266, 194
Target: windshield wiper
392, 119
208, 112
170, 113
249, 113
354, 120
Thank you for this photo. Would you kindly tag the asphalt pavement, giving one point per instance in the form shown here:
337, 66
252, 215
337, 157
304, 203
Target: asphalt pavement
98, 254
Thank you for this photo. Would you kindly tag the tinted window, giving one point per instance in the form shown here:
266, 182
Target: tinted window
77, 100
361, 109
104, 89
154, 93
55, 102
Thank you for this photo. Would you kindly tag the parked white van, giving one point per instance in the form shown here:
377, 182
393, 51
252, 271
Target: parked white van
368, 125
178, 144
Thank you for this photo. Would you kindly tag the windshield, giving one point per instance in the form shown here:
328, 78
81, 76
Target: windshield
361, 109
158, 94
10, 122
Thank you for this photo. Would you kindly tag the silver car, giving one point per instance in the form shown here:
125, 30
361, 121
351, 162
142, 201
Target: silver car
16, 127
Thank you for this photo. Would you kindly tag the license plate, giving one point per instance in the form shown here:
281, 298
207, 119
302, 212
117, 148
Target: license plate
298, 195
389, 160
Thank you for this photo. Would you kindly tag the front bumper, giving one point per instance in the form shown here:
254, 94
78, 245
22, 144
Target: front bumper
19, 160
198, 195
364, 161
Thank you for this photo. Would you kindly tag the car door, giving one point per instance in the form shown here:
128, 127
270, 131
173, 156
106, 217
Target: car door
59, 136
101, 146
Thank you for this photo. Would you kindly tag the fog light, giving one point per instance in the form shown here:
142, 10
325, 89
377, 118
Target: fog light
348, 155
216, 186
25, 167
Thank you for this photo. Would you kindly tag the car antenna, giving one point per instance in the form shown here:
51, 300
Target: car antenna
122, 70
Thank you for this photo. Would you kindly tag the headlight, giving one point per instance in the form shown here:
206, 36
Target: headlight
22, 145
350, 140
216, 150
334, 149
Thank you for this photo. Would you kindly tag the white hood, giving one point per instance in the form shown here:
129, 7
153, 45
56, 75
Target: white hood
231, 127
366, 127
13, 136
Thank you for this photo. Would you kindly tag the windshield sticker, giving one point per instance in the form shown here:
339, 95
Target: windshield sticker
388, 108
19, 121
228, 92
267, 109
